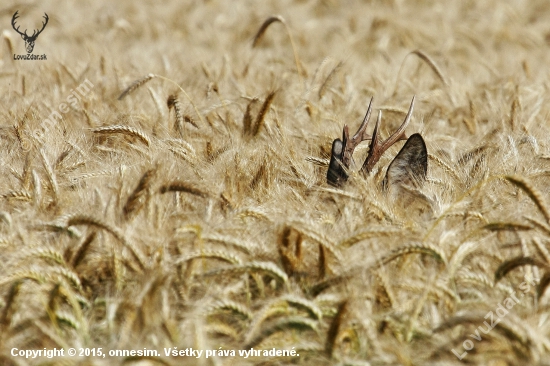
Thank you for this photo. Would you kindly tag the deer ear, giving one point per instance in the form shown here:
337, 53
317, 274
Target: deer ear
410, 166
336, 175
23, 36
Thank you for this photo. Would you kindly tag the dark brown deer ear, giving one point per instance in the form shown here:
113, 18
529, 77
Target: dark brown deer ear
410, 166
336, 174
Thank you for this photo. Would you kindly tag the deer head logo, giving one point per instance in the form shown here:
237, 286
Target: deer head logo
29, 40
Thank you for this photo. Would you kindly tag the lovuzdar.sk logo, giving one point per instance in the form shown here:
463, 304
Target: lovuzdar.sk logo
29, 40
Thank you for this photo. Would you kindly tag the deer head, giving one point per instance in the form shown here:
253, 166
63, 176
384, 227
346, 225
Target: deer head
408, 168
29, 40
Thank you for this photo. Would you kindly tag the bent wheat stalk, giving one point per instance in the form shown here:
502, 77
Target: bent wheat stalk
125, 130
262, 30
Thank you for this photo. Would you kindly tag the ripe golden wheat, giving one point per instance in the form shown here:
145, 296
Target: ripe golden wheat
183, 202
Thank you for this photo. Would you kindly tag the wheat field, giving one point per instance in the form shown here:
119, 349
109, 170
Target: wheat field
181, 200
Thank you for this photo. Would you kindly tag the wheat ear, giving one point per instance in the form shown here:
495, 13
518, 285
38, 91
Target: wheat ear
313, 310
135, 85
258, 123
78, 256
414, 248
513, 263
507, 226
263, 29
8, 309
424, 57
186, 95
247, 118
213, 254
173, 102
86, 220
334, 328
444, 166
51, 176
536, 196
233, 306
279, 325
139, 196
427, 59
125, 130
182, 187
256, 266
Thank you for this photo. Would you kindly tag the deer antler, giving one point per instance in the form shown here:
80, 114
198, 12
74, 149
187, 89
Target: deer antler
378, 148
15, 16
342, 151
36, 31
43, 26
360, 135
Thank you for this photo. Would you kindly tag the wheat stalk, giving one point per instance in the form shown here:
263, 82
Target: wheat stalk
294, 322
414, 249
322, 162
8, 308
542, 250
328, 78
227, 240
140, 194
234, 307
543, 284
135, 85
214, 254
173, 102
536, 196
48, 253
320, 239
334, 328
138, 83
247, 118
426, 58
51, 176
80, 252
263, 111
125, 130
255, 266
186, 95
445, 166
507, 226
18, 195
87, 220
222, 329
513, 263
263, 28
369, 234
182, 187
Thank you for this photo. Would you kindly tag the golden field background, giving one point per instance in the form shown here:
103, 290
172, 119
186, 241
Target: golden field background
155, 233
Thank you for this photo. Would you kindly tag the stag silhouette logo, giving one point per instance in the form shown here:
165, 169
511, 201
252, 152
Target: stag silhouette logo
29, 40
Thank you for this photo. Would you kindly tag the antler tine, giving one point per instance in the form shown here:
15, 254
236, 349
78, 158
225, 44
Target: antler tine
15, 16
397, 135
360, 135
43, 26
377, 149
44, 23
